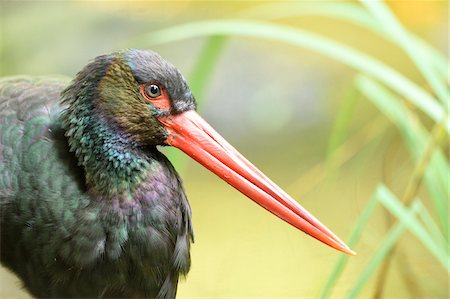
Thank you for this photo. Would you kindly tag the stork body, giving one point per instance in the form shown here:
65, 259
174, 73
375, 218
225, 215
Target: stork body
89, 206
66, 239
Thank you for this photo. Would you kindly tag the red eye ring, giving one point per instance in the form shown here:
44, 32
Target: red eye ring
155, 94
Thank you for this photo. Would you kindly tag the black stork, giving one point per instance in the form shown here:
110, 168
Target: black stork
89, 206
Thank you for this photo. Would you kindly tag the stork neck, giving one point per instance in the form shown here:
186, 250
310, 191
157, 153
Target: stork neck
112, 163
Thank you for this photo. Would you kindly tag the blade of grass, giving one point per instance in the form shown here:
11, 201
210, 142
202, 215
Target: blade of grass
431, 226
348, 12
410, 193
354, 238
341, 10
198, 80
381, 252
436, 138
402, 38
415, 135
333, 49
406, 220
407, 273
393, 205
204, 68
343, 119
405, 264
436, 175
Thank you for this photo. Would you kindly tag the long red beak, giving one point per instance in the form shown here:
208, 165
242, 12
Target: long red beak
189, 132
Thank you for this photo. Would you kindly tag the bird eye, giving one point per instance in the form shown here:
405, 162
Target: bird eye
152, 90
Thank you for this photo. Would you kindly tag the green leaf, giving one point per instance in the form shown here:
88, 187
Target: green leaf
343, 120
382, 252
354, 238
416, 138
348, 12
396, 208
431, 225
392, 27
341, 10
204, 68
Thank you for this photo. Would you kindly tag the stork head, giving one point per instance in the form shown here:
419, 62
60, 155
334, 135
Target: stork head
148, 101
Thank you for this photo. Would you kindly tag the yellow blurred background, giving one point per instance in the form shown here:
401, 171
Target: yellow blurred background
278, 105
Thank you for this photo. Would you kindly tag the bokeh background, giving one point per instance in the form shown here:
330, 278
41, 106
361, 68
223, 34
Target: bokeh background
343, 104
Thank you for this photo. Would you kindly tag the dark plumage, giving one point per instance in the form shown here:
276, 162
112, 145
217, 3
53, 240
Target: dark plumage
89, 206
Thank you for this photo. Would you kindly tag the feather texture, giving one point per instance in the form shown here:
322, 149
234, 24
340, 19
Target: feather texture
62, 237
